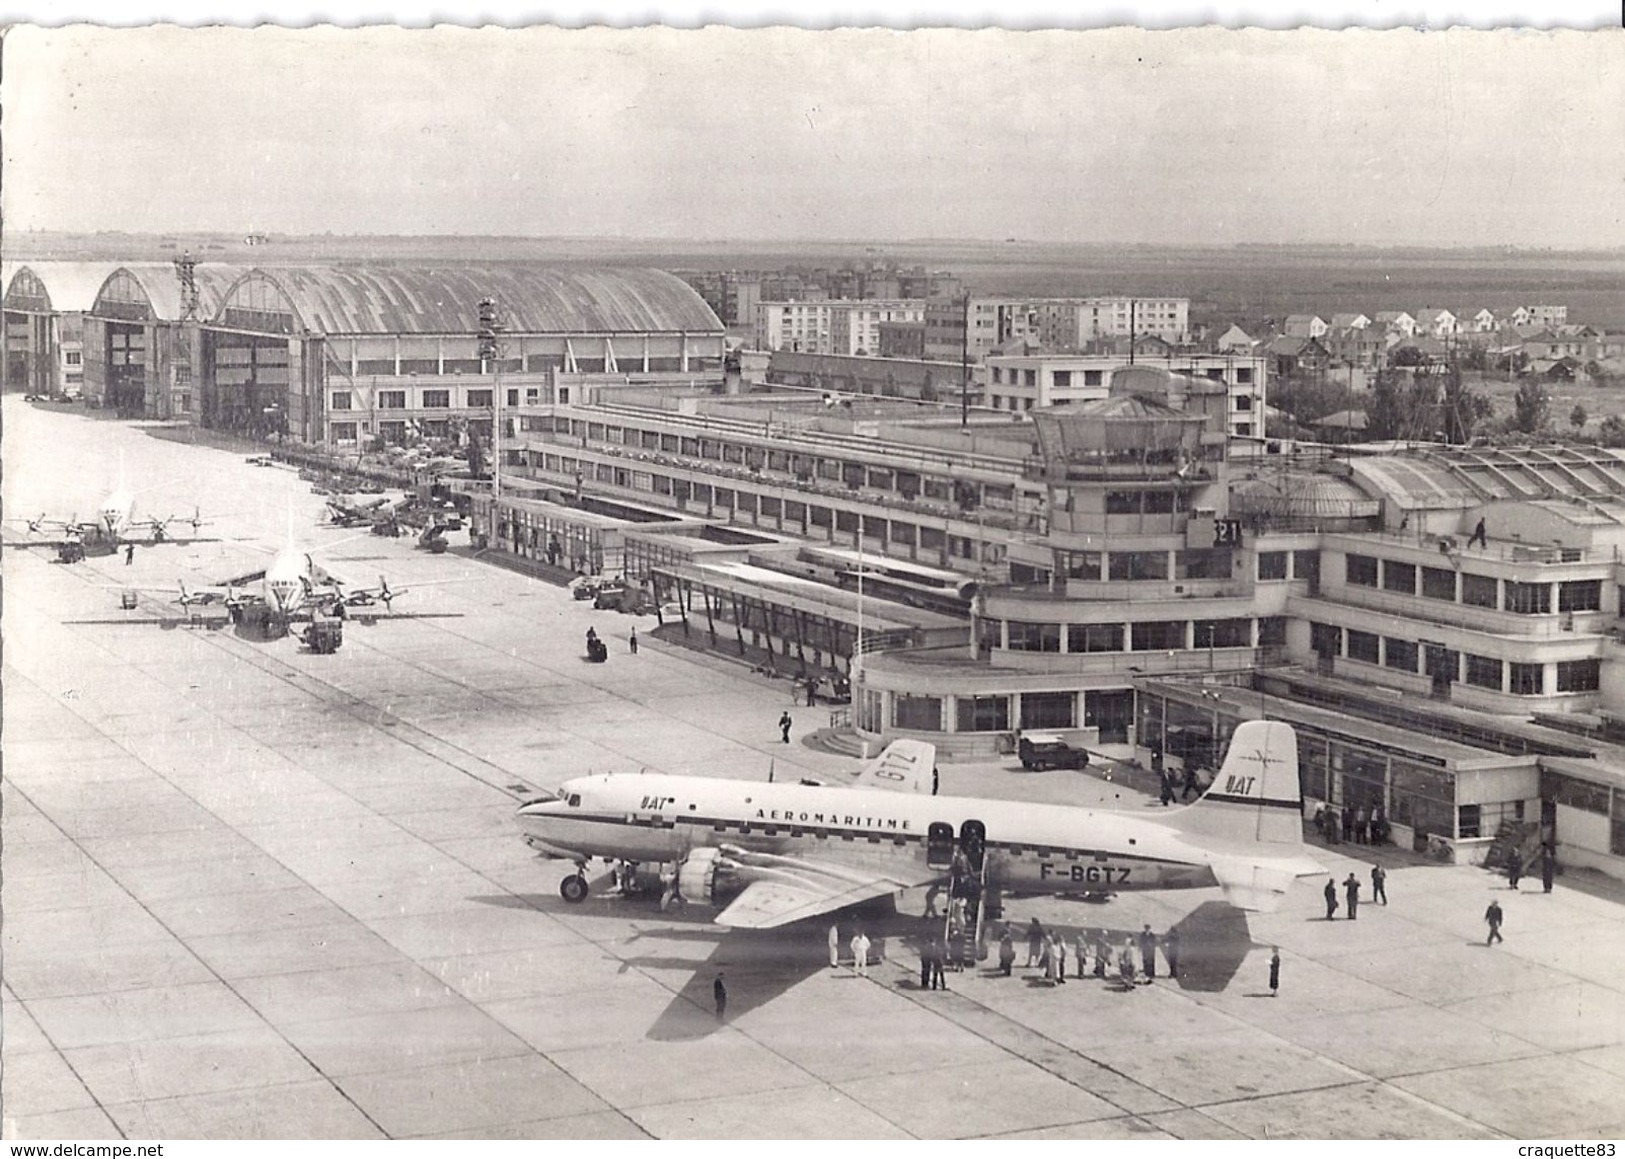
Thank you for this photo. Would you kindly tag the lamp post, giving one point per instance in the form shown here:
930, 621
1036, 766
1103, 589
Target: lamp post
491, 352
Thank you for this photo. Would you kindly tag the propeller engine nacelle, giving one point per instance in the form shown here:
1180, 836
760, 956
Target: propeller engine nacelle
708, 876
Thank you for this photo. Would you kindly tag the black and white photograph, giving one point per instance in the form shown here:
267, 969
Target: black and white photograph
750, 579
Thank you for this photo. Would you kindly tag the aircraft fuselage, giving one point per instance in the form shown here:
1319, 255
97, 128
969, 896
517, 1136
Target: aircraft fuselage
1029, 848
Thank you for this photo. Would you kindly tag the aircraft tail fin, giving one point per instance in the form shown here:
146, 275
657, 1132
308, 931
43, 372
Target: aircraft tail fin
1256, 796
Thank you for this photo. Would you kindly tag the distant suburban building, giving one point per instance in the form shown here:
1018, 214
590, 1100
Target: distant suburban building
1436, 323
902, 339
854, 326
992, 323
1075, 323
1025, 382
1396, 321
1304, 326
1548, 315
1235, 340
1348, 322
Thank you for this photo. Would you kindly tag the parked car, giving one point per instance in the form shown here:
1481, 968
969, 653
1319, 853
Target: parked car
1049, 750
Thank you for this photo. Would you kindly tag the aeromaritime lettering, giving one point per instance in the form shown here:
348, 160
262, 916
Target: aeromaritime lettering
846, 820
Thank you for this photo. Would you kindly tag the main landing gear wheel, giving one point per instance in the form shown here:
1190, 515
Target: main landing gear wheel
573, 889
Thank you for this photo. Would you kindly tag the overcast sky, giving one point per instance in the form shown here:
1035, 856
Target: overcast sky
1400, 137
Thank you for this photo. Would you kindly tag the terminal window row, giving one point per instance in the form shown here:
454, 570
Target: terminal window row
1475, 590
1145, 635
802, 466
1517, 677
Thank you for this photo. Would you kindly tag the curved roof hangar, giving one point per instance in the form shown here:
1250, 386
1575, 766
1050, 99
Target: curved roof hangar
359, 299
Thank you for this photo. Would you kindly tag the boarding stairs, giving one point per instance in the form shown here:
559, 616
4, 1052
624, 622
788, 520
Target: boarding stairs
1514, 838
964, 925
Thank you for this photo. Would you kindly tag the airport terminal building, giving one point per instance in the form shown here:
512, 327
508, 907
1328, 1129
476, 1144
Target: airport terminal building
1099, 558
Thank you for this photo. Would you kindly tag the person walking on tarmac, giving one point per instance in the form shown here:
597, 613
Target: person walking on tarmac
1351, 889
1493, 917
834, 944
1007, 952
1170, 950
632, 641
1035, 942
1275, 971
129, 554
719, 991
1331, 898
1548, 868
1514, 870
784, 726
1379, 884
1148, 953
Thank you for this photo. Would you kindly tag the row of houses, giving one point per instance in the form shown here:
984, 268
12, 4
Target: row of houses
1308, 344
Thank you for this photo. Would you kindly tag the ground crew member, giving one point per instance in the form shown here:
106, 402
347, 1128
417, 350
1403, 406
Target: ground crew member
1493, 917
720, 992
860, 954
1379, 884
632, 641
1275, 970
1548, 868
1148, 953
784, 726
936, 780
1351, 889
1331, 898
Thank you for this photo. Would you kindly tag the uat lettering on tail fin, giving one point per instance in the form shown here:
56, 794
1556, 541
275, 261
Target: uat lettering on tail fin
1256, 795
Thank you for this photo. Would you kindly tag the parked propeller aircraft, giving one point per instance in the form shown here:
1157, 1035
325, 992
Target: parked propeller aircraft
111, 526
294, 587
770, 854
364, 510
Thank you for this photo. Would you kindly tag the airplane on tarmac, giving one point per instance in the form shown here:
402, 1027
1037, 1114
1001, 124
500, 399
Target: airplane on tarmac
294, 587
365, 510
771, 854
112, 526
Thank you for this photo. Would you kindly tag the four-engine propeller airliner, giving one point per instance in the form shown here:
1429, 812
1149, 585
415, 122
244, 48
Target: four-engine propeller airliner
112, 526
769, 854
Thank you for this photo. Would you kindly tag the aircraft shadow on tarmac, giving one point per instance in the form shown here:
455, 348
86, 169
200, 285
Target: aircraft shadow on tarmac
759, 966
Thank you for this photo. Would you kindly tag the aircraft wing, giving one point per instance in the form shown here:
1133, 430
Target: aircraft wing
904, 766
240, 581
792, 889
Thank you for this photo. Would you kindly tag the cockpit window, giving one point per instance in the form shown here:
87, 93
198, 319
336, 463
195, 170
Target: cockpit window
542, 795
575, 799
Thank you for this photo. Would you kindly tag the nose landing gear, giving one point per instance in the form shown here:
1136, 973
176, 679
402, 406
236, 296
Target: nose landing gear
573, 889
